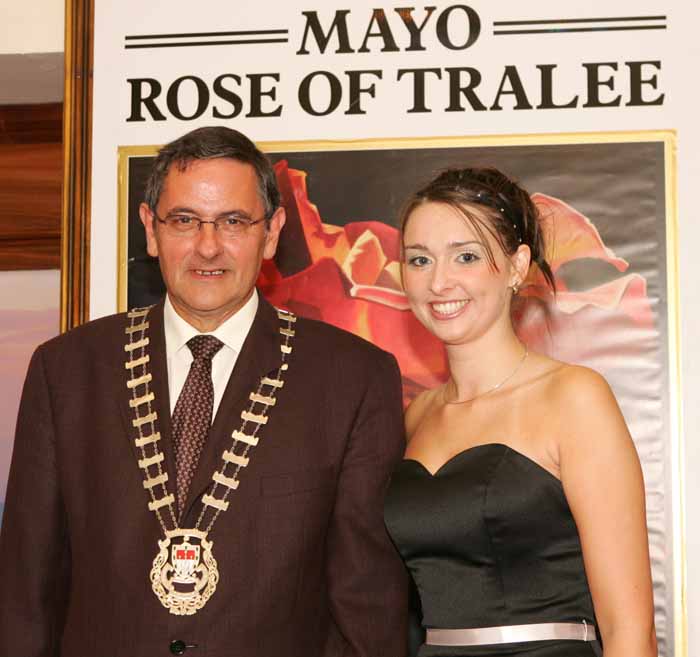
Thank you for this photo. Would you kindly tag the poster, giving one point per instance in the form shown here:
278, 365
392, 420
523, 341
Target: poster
610, 230
323, 86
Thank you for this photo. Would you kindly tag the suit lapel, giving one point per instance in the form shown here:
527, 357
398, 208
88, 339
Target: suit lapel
259, 356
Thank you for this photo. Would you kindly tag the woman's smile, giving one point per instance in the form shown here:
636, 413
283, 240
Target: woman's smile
448, 309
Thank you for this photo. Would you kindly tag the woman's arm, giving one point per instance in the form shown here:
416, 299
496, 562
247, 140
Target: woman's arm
602, 479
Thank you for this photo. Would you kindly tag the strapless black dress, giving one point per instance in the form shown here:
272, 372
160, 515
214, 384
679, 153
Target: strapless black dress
490, 540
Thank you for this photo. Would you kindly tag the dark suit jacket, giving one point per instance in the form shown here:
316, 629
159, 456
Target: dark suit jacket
306, 568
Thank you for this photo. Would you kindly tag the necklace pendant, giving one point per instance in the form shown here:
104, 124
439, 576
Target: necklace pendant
184, 573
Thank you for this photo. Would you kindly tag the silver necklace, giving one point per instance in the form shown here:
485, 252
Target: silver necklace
490, 390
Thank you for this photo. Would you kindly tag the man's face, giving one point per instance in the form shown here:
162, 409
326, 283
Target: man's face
209, 276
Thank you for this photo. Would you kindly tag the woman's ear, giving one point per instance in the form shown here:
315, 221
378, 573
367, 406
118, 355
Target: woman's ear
520, 265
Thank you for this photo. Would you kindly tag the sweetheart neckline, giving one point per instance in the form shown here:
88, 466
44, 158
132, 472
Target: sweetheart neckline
434, 475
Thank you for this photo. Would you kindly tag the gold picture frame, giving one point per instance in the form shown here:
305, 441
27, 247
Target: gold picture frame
666, 138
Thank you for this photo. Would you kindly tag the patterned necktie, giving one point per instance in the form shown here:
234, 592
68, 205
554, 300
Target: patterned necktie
192, 414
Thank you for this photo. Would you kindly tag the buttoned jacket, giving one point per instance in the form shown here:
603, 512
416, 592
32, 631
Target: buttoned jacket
306, 568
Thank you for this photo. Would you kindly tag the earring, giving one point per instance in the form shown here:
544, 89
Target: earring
515, 287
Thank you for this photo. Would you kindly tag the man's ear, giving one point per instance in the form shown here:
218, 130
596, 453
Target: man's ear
274, 228
148, 221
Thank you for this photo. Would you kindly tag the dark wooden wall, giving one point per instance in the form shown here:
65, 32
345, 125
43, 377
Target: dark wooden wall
31, 179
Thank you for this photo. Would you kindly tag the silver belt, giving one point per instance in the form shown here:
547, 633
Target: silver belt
482, 636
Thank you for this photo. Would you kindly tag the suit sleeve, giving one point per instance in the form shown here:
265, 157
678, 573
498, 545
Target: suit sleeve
33, 542
366, 579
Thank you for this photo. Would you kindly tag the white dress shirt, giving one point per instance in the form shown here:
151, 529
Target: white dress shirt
232, 333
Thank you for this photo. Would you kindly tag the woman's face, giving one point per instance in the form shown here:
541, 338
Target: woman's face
453, 288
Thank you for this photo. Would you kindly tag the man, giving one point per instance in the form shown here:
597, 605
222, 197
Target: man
135, 527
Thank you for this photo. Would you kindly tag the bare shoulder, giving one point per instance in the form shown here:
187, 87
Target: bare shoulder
586, 405
565, 386
417, 409
577, 389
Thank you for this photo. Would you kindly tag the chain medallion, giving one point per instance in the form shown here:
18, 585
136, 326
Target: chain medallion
184, 574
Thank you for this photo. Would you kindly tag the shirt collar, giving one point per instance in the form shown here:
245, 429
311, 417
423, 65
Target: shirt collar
232, 332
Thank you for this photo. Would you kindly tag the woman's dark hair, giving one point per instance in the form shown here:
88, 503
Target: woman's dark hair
513, 218
209, 143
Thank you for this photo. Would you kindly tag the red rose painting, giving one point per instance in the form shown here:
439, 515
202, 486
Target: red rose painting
351, 278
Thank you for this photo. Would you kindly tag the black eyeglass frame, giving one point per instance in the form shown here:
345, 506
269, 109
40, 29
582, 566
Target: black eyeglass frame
219, 221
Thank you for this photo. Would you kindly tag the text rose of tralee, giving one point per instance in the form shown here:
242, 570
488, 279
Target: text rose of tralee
411, 89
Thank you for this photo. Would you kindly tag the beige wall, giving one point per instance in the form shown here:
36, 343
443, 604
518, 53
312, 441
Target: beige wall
31, 26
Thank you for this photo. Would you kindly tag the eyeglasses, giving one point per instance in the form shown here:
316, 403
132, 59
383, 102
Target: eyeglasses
187, 225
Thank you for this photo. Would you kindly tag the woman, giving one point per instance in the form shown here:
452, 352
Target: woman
519, 507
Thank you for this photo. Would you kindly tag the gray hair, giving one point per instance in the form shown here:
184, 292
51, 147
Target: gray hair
206, 144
